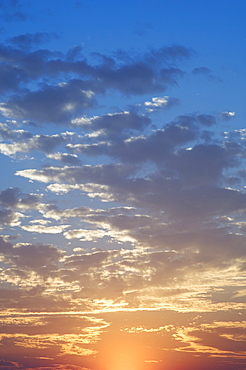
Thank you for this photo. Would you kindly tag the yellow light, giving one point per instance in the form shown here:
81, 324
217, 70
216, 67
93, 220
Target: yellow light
123, 353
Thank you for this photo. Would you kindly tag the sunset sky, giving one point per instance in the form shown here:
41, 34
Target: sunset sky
123, 185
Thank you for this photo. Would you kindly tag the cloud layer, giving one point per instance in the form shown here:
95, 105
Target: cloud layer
117, 219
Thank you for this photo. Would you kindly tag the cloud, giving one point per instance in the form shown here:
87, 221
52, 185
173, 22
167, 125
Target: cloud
44, 229
158, 103
21, 141
85, 234
218, 339
31, 40
113, 125
99, 174
228, 115
65, 158
201, 71
204, 71
32, 257
168, 54
206, 119
9, 134
14, 198
156, 147
43, 143
11, 11
151, 72
155, 198
51, 104
8, 217
193, 175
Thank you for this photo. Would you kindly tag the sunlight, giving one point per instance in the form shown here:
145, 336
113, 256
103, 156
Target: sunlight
123, 354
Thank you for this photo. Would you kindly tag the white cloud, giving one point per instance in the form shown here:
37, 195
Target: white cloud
42, 229
164, 102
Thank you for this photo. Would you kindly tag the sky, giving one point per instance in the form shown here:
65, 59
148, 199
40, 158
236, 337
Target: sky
123, 185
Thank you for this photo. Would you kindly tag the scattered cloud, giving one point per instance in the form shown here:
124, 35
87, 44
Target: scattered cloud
119, 208
206, 72
31, 40
160, 103
228, 115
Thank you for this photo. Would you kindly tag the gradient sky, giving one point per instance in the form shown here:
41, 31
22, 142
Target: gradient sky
122, 190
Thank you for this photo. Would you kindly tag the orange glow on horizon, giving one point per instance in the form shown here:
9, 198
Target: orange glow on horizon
123, 353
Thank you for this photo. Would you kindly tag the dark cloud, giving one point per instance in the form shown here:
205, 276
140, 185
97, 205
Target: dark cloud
114, 125
99, 174
201, 165
186, 188
168, 54
204, 71
135, 78
13, 197
12, 11
67, 159
151, 72
156, 147
24, 142
9, 218
30, 40
32, 257
11, 78
51, 104
14, 203
74, 53
9, 134
206, 119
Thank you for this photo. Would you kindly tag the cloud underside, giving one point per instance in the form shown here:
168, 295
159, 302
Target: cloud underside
77, 81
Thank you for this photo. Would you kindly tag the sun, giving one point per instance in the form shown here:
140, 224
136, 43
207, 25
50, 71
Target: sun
123, 353
123, 359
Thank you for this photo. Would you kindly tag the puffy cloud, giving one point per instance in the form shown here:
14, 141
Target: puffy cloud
157, 147
8, 217
150, 72
113, 125
13, 197
191, 178
157, 103
65, 100
30, 257
50, 104
20, 141
65, 158
9, 134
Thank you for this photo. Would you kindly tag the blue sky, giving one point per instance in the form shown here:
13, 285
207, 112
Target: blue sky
122, 195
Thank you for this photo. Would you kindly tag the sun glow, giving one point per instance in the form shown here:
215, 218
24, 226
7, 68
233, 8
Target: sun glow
124, 353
